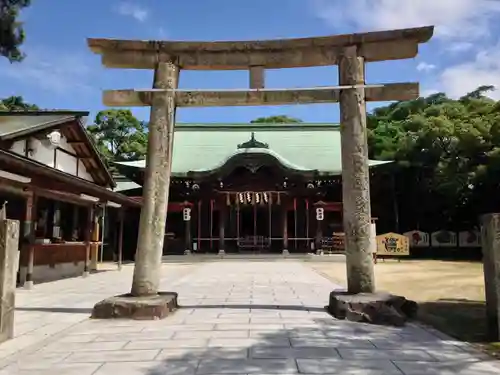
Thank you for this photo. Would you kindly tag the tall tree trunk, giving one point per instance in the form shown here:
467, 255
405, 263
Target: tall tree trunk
149, 251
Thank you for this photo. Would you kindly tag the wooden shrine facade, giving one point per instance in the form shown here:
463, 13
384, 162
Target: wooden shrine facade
254, 201
53, 181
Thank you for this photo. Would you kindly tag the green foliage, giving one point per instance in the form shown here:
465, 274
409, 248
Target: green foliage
282, 119
16, 103
119, 135
449, 154
11, 31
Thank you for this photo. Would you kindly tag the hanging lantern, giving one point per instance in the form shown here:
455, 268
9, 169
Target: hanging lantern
249, 197
241, 198
258, 199
266, 197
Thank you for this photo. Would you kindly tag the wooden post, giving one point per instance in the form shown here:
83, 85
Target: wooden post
94, 239
56, 220
285, 226
257, 77
307, 223
222, 224
29, 238
490, 239
355, 174
121, 215
319, 234
198, 217
88, 238
147, 270
188, 242
75, 227
9, 240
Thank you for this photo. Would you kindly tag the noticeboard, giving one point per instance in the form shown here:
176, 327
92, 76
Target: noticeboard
393, 244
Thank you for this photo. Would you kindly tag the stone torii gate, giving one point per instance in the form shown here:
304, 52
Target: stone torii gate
350, 52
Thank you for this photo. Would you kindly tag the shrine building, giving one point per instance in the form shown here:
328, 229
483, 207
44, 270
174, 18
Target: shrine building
247, 188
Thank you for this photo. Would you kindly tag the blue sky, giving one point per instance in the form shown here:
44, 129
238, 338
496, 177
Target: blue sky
60, 72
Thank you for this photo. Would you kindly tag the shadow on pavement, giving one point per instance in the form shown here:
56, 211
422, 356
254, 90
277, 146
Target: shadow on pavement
256, 307
322, 346
460, 318
69, 310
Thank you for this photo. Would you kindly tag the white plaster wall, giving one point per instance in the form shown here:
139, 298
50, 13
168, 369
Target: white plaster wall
44, 154
18, 147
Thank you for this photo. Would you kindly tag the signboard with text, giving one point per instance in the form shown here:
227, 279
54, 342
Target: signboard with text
393, 244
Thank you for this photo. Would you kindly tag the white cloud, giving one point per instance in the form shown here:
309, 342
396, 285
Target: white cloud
460, 79
425, 67
454, 19
135, 11
459, 47
463, 29
52, 71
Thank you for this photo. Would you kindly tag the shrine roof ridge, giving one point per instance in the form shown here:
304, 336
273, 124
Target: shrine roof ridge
418, 35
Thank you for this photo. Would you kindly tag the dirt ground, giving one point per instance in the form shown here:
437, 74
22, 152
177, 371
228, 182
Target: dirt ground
450, 294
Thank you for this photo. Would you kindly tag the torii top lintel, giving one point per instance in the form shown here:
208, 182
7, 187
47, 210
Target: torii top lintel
271, 54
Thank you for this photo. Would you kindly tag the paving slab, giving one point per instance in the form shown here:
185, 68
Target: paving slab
235, 317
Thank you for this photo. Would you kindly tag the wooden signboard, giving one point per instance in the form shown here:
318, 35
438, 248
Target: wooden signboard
444, 238
418, 238
469, 238
392, 244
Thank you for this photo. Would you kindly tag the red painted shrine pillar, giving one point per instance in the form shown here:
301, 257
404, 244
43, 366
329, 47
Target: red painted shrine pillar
222, 223
186, 216
284, 207
319, 216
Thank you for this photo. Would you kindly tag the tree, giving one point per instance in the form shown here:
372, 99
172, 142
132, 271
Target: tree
448, 153
119, 135
281, 119
16, 103
11, 31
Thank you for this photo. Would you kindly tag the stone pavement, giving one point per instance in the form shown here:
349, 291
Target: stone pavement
236, 318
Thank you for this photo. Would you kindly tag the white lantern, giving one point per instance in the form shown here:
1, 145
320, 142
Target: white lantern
320, 213
186, 214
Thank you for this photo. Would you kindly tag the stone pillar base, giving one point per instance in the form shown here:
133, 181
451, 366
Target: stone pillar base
28, 285
222, 253
375, 308
86, 274
187, 252
286, 253
320, 252
126, 306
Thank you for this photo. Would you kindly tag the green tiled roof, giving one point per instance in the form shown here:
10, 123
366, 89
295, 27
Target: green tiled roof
204, 147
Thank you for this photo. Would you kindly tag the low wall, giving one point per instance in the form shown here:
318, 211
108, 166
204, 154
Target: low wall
45, 273
53, 262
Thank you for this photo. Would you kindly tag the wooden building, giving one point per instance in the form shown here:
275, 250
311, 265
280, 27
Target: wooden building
248, 187
53, 180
